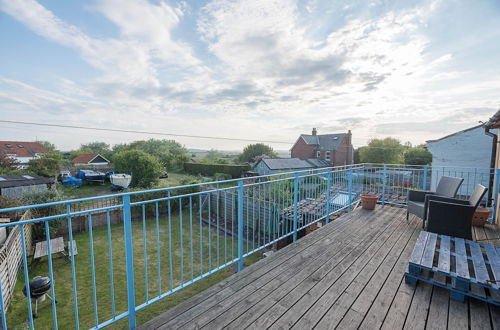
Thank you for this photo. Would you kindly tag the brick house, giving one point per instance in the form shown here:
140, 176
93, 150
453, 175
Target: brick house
337, 149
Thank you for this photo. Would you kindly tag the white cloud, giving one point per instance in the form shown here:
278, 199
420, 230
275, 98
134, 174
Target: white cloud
151, 26
130, 60
260, 69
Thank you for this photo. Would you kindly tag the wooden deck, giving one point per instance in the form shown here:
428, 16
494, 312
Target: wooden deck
346, 275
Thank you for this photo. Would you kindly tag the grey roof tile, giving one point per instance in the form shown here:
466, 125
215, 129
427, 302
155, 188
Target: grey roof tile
286, 163
318, 162
7, 181
325, 141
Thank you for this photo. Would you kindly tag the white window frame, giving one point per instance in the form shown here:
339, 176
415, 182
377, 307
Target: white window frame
318, 154
328, 155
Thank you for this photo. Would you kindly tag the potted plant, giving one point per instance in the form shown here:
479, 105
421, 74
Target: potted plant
368, 201
480, 216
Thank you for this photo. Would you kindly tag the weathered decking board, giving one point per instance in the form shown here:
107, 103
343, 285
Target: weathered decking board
348, 274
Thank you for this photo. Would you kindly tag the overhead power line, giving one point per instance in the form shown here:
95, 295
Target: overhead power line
141, 132
159, 133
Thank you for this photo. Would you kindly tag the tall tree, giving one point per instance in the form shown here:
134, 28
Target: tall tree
97, 147
170, 153
388, 151
79, 152
355, 156
48, 145
417, 156
214, 157
252, 151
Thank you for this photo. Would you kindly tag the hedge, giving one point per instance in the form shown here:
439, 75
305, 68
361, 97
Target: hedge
211, 169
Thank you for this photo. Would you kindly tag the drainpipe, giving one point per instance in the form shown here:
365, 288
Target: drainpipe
493, 161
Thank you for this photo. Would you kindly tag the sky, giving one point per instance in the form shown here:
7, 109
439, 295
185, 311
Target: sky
248, 69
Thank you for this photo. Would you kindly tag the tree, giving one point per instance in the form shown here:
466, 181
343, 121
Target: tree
214, 157
96, 147
417, 156
252, 151
144, 168
170, 153
355, 156
45, 166
79, 152
7, 163
50, 147
386, 151
121, 147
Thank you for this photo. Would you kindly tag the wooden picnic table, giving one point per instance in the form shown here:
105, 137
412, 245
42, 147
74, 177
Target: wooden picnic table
56, 246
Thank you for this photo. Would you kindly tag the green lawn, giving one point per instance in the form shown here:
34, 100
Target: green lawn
174, 179
86, 190
17, 313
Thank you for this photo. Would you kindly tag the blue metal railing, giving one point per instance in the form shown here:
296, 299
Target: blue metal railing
160, 241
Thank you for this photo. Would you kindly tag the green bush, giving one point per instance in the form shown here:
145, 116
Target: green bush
45, 166
144, 168
42, 197
235, 171
417, 156
8, 202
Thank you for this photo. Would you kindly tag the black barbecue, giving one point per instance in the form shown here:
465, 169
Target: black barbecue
39, 286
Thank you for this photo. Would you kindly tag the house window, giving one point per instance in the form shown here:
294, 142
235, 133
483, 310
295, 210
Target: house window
318, 154
327, 155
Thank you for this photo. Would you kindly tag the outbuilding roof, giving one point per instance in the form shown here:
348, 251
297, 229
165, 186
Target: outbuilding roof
293, 163
316, 162
286, 163
86, 158
7, 181
22, 149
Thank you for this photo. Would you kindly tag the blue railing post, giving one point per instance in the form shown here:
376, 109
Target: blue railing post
495, 198
349, 190
2, 310
328, 187
295, 202
240, 225
129, 260
384, 181
424, 183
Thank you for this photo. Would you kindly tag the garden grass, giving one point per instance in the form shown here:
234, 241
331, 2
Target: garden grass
17, 313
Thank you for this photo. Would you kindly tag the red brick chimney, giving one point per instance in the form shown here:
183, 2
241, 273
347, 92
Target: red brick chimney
314, 132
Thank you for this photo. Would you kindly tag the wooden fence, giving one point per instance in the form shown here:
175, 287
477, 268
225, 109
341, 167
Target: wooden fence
256, 212
11, 256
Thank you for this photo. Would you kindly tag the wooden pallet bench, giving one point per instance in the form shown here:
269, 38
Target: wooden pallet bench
465, 268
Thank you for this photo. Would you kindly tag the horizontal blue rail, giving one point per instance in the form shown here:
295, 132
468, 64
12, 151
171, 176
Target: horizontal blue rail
140, 247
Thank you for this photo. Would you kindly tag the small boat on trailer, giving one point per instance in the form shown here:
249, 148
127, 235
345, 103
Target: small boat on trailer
91, 176
120, 181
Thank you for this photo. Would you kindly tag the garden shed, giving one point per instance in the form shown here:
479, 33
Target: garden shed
14, 186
